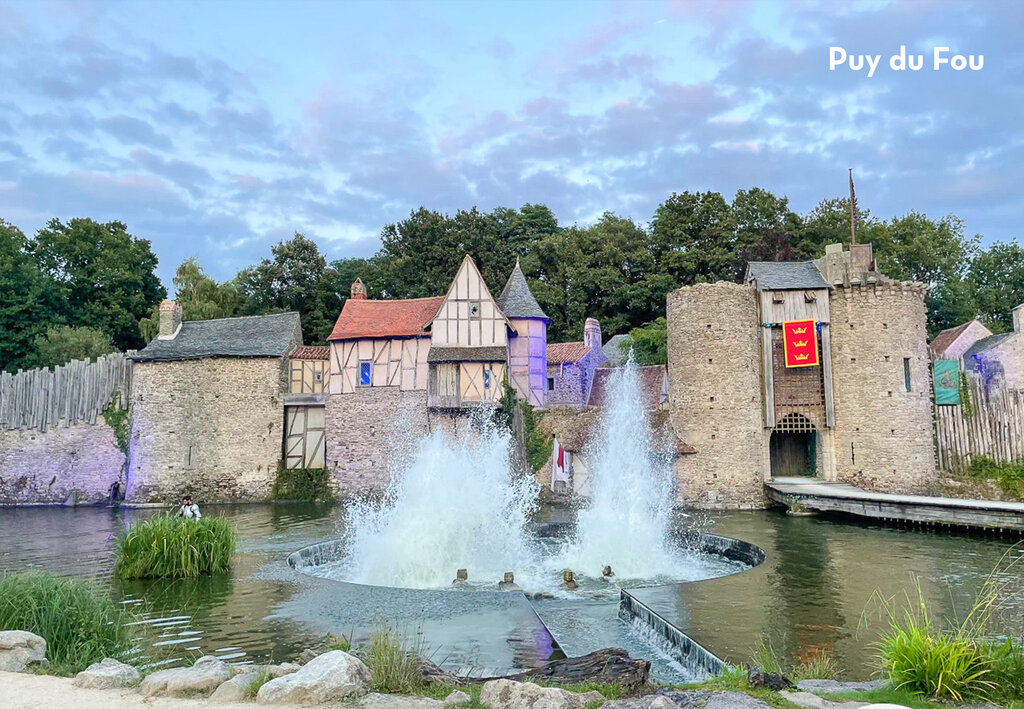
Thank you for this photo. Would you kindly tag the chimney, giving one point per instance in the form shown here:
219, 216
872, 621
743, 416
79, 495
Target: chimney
170, 319
1018, 316
358, 290
592, 334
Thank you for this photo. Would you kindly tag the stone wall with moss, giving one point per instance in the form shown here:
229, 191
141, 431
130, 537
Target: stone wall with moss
74, 465
212, 427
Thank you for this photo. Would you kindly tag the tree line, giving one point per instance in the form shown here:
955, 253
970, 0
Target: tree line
83, 288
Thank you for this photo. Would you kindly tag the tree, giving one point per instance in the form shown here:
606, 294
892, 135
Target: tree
201, 298
297, 278
649, 343
105, 276
997, 281
31, 301
61, 344
693, 237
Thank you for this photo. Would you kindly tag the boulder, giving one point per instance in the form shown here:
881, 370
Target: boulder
107, 674
686, 698
330, 677
649, 701
832, 686
201, 679
19, 649
398, 701
272, 671
813, 701
457, 697
235, 689
509, 694
734, 700
307, 655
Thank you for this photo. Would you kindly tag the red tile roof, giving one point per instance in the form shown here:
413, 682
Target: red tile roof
946, 338
385, 318
566, 352
312, 352
652, 380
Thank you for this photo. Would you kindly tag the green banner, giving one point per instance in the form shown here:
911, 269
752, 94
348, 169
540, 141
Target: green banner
947, 382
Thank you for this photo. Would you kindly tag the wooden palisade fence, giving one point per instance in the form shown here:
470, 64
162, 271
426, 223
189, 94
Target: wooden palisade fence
991, 424
76, 392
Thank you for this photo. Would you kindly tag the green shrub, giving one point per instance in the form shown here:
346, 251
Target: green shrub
117, 419
1010, 476
170, 547
79, 622
303, 484
393, 660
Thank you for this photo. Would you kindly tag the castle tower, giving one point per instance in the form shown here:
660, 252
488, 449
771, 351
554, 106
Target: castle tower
528, 345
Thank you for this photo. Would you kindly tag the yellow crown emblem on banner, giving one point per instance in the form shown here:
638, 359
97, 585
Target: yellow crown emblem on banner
799, 330
800, 343
801, 358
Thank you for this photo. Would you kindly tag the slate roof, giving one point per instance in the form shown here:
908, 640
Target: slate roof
652, 384
785, 275
946, 338
312, 352
516, 299
984, 344
615, 350
385, 318
566, 352
467, 354
253, 336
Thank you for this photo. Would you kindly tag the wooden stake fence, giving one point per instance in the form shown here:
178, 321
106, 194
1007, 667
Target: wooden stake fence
991, 425
76, 392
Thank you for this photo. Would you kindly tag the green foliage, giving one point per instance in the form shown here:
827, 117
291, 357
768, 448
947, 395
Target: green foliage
966, 403
117, 418
337, 642
538, 446
305, 484
201, 298
261, 678
649, 343
104, 276
816, 664
393, 660
59, 345
79, 622
1009, 475
172, 547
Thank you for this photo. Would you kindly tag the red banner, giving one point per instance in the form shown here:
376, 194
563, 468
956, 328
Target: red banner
800, 343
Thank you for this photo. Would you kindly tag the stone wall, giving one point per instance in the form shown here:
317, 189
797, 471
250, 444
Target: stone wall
883, 433
368, 430
714, 364
573, 381
212, 427
75, 464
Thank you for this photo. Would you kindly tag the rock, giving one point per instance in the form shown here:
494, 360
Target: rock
432, 674
19, 649
398, 701
273, 671
686, 698
734, 700
649, 701
759, 679
307, 655
611, 666
235, 689
332, 676
107, 674
201, 679
457, 697
813, 701
509, 694
832, 686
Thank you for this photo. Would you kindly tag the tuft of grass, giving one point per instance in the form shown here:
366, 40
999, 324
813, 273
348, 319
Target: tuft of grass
337, 642
170, 547
766, 657
261, 678
393, 660
80, 623
820, 664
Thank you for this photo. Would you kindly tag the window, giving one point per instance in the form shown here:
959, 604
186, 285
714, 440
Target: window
906, 372
551, 383
364, 373
487, 379
474, 309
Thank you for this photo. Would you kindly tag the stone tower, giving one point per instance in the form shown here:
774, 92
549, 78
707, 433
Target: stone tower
528, 345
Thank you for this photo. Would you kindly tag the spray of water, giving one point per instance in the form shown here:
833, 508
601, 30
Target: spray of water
628, 520
457, 504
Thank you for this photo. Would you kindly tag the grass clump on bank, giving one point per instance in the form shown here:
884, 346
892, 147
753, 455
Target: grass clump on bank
303, 485
393, 660
1009, 476
80, 623
169, 547
817, 664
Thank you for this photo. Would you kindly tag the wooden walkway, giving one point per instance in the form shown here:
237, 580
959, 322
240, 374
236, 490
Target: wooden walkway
819, 496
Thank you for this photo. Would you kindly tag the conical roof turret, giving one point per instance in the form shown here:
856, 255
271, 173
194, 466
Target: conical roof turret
516, 300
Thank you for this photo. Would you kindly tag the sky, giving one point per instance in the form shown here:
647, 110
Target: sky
218, 129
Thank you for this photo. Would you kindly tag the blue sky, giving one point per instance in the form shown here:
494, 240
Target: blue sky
219, 128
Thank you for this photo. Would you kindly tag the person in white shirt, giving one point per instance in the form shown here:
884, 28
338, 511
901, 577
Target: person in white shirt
188, 509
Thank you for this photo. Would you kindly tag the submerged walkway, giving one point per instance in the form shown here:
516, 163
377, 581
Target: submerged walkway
842, 498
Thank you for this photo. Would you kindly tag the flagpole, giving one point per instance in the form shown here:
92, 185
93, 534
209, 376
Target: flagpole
853, 212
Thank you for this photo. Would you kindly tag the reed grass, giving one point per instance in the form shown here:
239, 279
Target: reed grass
80, 623
170, 547
393, 659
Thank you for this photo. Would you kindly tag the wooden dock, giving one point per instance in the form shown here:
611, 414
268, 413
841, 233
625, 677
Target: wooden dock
819, 496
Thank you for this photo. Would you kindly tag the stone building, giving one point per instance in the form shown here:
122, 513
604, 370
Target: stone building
853, 406
207, 408
1000, 357
571, 367
953, 342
